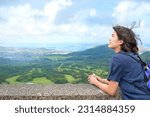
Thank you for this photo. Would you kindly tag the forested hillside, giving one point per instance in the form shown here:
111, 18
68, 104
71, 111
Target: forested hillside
146, 56
48, 68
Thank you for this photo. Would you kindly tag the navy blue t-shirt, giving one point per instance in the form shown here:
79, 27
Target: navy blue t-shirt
130, 76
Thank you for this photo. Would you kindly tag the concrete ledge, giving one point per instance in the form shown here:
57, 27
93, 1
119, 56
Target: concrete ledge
53, 92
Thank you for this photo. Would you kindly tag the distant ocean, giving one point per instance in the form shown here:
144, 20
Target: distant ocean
58, 46
64, 46
72, 46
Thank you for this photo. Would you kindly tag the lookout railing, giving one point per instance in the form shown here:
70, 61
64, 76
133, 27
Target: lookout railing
53, 92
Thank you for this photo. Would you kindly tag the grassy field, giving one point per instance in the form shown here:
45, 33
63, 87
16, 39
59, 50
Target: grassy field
42, 80
12, 80
58, 57
71, 79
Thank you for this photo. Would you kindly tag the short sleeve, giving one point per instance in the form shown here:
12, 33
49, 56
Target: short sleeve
116, 69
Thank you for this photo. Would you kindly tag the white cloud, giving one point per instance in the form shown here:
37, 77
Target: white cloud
23, 21
128, 11
82, 15
19, 20
27, 25
53, 7
93, 12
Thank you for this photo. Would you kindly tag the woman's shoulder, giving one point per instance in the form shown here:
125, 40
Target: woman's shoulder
120, 55
123, 56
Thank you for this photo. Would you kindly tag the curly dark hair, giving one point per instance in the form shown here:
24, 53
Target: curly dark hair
129, 38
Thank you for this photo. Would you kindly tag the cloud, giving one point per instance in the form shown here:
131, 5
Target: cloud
67, 21
23, 19
82, 16
128, 11
2, 20
20, 20
53, 7
25, 24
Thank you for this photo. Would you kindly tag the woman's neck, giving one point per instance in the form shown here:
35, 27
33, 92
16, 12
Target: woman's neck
116, 50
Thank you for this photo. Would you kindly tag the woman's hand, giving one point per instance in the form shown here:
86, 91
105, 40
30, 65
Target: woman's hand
92, 79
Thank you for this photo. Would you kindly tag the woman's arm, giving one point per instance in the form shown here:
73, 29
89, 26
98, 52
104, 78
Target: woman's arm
105, 81
110, 88
100, 79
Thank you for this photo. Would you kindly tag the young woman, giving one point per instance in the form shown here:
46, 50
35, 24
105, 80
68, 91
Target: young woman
125, 72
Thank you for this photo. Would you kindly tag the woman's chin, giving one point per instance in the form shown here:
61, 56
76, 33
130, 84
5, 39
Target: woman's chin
109, 46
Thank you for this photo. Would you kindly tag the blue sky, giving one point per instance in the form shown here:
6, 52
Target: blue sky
42, 22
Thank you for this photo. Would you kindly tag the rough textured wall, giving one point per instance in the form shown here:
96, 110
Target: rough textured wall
53, 92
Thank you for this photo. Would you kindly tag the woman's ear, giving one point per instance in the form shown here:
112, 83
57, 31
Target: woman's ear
121, 42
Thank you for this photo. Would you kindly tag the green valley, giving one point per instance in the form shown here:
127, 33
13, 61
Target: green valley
57, 68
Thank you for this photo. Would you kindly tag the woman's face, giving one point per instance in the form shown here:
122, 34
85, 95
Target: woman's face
114, 42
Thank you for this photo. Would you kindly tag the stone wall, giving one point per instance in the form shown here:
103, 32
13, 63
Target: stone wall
53, 92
